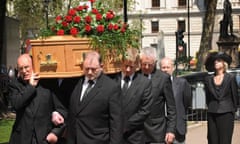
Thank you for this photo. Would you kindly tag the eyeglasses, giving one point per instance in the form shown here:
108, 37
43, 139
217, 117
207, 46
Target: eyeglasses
91, 69
27, 67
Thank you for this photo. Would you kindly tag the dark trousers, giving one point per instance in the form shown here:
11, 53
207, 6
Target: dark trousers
134, 137
220, 128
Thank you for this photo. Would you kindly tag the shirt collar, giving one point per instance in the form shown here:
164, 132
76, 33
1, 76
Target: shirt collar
131, 76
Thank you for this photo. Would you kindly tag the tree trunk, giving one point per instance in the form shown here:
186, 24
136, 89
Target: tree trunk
2, 27
206, 39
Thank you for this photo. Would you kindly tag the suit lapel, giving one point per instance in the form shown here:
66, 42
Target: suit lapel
78, 91
131, 91
223, 89
212, 86
75, 97
37, 100
93, 93
175, 86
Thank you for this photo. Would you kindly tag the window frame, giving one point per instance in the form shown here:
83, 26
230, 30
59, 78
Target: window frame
153, 28
182, 3
155, 3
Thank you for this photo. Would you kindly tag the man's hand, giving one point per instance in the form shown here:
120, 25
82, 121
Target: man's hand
169, 138
52, 138
34, 79
57, 118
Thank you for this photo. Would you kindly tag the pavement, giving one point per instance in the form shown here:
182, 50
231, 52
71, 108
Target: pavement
197, 133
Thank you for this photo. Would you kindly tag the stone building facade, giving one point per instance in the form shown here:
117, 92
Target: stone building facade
160, 20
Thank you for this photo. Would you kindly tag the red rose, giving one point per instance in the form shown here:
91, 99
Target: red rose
68, 18
64, 24
100, 28
115, 27
88, 28
58, 19
109, 15
74, 31
92, 1
98, 17
88, 19
94, 11
80, 8
123, 29
60, 32
77, 19
72, 12
110, 26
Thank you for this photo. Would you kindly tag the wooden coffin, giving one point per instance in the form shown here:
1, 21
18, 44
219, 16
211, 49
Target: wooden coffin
62, 57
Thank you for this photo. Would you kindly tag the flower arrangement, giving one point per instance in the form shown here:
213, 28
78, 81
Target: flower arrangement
104, 28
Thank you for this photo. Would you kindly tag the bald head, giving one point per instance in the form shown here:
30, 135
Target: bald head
24, 59
92, 65
25, 67
167, 65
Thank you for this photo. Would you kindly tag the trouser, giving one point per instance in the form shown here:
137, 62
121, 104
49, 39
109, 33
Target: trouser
220, 128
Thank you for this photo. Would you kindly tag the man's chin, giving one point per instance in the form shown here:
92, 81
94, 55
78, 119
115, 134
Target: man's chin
26, 78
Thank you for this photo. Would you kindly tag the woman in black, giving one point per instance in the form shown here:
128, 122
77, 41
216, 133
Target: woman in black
221, 96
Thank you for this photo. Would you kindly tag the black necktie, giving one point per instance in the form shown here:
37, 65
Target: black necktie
125, 85
89, 87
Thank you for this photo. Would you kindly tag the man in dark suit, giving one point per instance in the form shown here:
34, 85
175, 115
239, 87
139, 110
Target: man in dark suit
183, 99
136, 98
160, 126
34, 105
95, 114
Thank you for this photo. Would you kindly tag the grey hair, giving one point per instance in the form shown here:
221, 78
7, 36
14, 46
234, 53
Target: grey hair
149, 52
166, 59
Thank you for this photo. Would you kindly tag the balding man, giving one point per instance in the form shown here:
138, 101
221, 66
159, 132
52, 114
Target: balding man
159, 127
95, 110
183, 99
34, 105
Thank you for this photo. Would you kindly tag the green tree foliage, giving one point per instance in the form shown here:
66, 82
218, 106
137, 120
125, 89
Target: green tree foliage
30, 14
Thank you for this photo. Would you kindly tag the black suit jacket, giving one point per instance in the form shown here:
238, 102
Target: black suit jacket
183, 100
227, 99
136, 108
97, 119
34, 107
158, 123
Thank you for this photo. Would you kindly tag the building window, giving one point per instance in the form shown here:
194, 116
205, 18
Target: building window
155, 27
154, 45
182, 3
155, 3
181, 26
